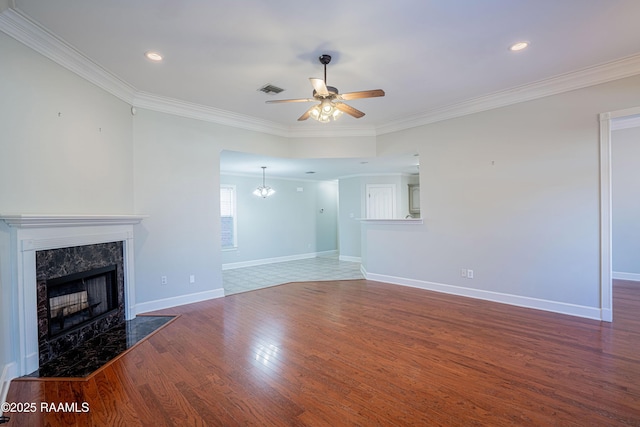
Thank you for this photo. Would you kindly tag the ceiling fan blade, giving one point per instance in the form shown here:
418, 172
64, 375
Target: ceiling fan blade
349, 110
319, 86
362, 94
278, 101
305, 116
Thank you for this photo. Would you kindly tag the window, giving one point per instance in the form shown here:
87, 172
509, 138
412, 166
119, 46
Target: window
228, 216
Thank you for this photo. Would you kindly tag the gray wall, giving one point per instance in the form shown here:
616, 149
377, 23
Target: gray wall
625, 195
512, 193
326, 216
287, 224
177, 183
351, 209
65, 147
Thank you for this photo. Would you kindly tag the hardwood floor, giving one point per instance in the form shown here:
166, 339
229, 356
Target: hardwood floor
362, 353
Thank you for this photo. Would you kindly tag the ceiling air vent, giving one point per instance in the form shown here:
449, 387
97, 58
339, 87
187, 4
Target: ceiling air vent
270, 89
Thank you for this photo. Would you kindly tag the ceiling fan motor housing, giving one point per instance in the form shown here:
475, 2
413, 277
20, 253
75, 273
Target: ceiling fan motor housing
333, 91
325, 59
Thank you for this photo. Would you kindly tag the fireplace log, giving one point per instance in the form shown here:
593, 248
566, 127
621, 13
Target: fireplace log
65, 306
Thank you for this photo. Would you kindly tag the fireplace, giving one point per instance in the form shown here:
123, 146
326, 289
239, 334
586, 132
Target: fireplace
39, 236
80, 294
78, 299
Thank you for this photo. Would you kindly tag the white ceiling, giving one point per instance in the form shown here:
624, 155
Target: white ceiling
426, 55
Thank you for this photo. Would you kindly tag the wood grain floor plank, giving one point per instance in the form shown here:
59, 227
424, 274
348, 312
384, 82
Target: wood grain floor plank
365, 353
118, 410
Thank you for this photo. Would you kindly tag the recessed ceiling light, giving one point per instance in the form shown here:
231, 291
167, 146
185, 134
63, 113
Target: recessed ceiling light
153, 56
518, 46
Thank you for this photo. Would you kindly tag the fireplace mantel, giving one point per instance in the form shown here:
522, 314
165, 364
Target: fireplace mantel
56, 220
34, 232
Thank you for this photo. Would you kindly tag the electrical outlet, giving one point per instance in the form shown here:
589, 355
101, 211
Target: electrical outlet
469, 274
163, 280
463, 272
192, 279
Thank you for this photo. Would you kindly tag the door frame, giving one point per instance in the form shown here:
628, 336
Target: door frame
606, 260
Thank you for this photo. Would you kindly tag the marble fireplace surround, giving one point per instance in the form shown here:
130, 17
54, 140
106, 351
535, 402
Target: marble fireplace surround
32, 233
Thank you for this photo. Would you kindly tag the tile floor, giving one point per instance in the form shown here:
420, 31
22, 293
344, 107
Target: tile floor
320, 268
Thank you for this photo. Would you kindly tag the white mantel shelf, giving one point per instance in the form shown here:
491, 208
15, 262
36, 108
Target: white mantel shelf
62, 220
412, 221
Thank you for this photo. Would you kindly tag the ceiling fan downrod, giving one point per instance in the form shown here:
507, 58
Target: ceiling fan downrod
324, 60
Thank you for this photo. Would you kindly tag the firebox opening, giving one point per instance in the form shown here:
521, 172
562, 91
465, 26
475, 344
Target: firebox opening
80, 298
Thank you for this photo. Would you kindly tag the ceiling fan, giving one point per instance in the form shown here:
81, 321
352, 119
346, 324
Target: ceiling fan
331, 105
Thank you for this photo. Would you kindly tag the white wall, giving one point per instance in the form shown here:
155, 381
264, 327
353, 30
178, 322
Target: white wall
511, 193
287, 224
625, 195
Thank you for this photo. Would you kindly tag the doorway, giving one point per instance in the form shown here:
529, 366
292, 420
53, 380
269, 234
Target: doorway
607, 121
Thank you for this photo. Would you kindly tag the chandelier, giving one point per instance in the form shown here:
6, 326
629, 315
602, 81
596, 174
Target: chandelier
263, 191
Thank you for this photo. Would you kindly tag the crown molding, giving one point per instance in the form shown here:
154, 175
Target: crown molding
210, 114
215, 115
603, 73
228, 118
18, 25
328, 131
271, 177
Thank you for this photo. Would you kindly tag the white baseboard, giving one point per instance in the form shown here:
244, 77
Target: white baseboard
161, 304
520, 301
263, 261
350, 258
635, 277
9, 372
